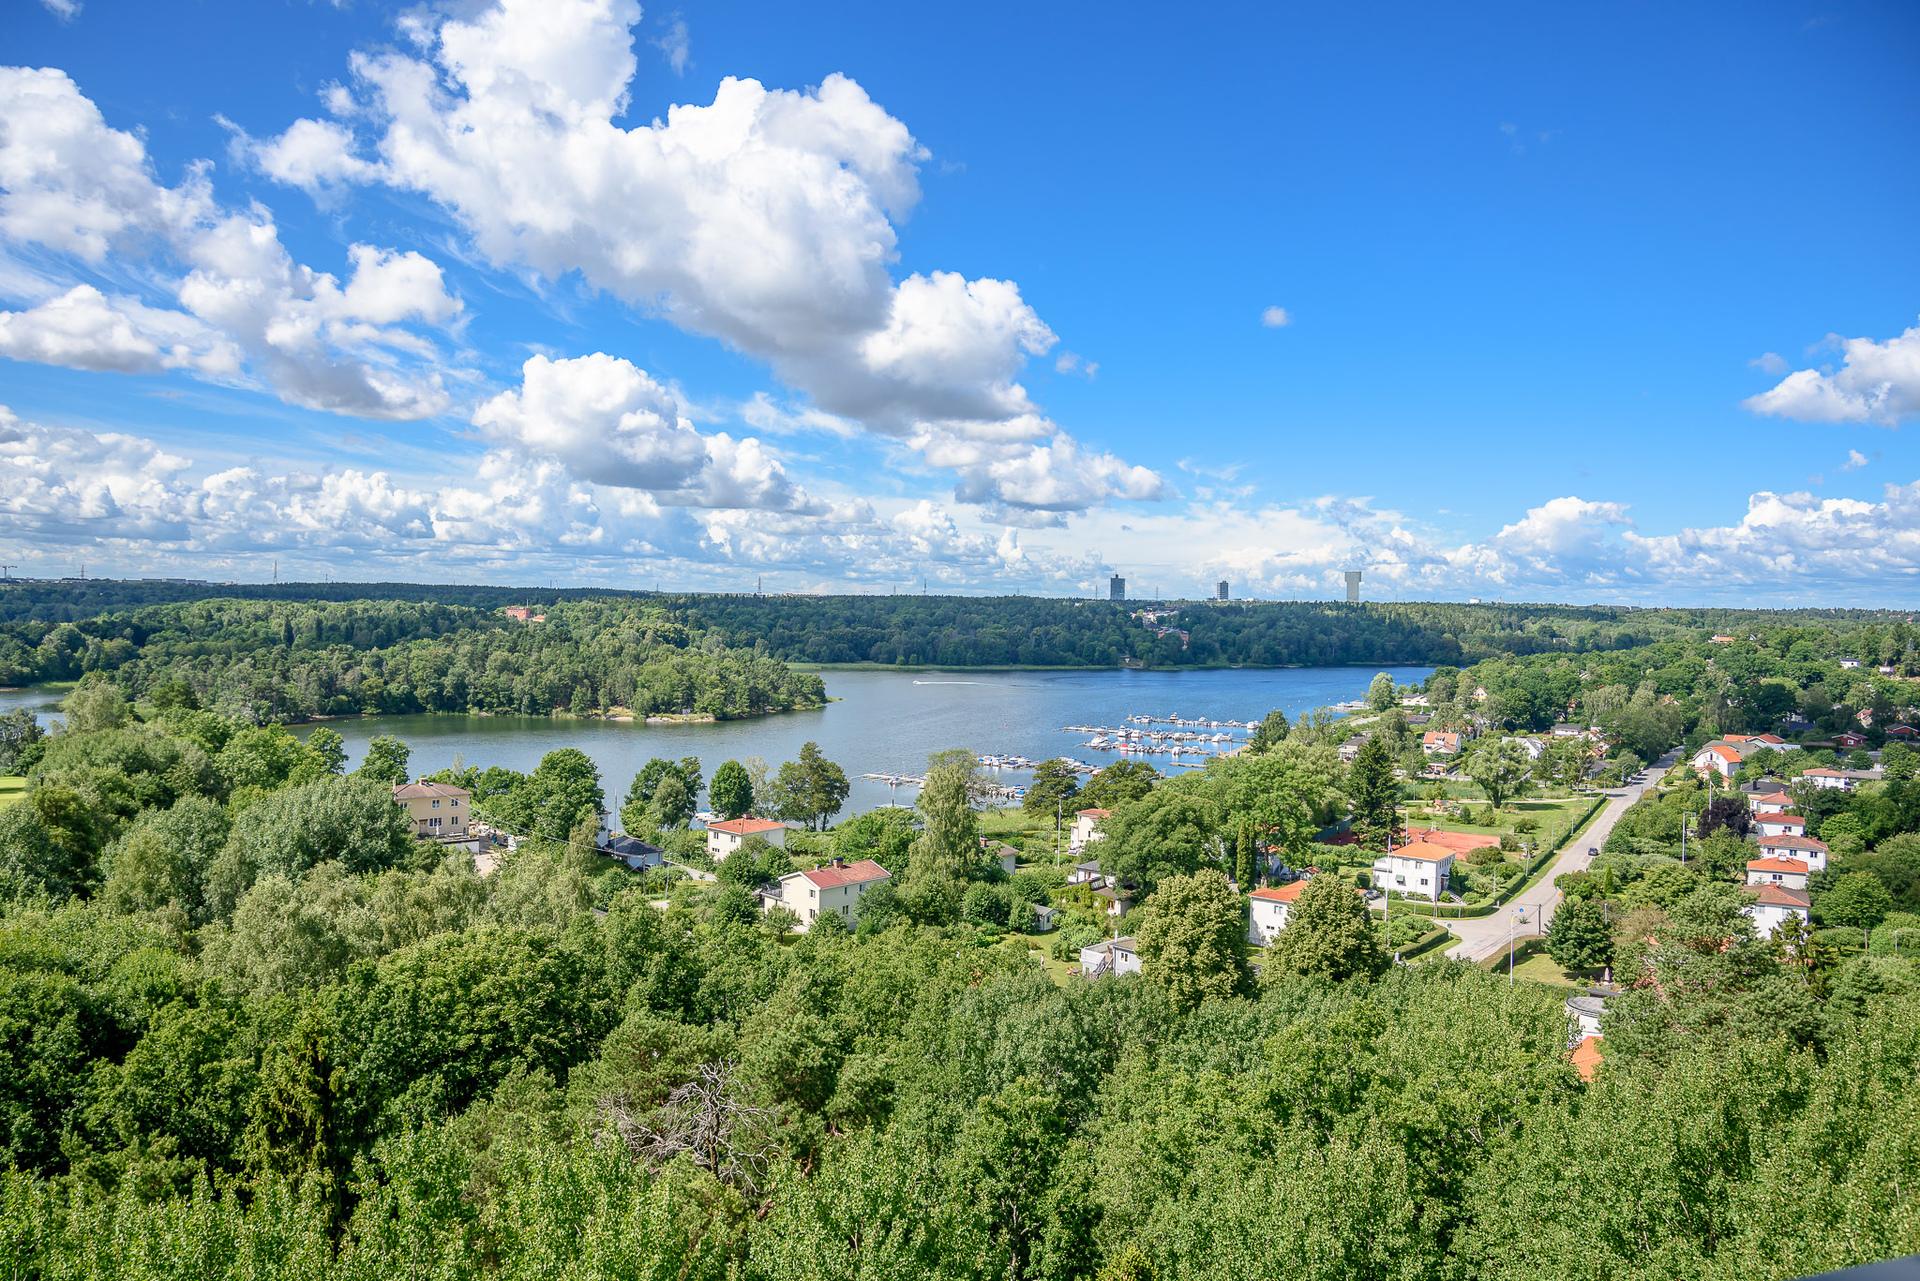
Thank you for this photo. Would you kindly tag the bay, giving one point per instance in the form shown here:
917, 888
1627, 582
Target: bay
883, 722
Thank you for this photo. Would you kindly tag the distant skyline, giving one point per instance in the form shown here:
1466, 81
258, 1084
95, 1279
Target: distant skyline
1589, 306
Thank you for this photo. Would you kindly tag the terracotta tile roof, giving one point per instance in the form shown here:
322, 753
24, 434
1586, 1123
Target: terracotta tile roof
1094, 813
1586, 1057
1723, 751
744, 826
1773, 798
1281, 893
1777, 865
852, 874
1780, 896
1783, 820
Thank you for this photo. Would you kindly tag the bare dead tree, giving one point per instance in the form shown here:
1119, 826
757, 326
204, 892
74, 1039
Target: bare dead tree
708, 1119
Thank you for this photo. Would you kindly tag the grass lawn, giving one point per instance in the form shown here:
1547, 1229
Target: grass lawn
1061, 972
12, 788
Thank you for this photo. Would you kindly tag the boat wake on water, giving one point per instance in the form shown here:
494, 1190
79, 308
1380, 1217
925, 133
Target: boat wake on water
946, 682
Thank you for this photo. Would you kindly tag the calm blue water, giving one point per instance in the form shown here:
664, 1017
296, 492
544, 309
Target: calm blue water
880, 723
886, 722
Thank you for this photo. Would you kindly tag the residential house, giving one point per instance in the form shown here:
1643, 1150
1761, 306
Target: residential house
1118, 898
1087, 873
1902, 731
634, 852
729, 834
1349, 751
1267, 910
1720, 638
1045, 918
1005, 855
1584, 1014
833, 890
1780, 824
1795, 723
1717, 757
437, 811
1849, 741
1806, 849
1440, 742
1418, 870
1567, 729
1772, 905
1770, 803
1110, 957
1885, 669
525, 614
1086, 828
1748, 744
1829, 778
1534, 747
1849, 664
1790, 872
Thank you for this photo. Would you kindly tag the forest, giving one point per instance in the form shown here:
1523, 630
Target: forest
285, 661
969, 631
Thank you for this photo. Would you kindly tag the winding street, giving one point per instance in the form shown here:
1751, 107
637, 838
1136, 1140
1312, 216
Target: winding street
1482, 936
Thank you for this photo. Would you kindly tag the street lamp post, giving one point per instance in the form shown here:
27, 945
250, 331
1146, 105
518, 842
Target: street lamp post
1519, 915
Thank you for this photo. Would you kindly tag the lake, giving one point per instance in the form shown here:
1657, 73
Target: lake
885, 722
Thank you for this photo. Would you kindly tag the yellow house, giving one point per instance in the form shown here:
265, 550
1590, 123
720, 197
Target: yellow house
437, 811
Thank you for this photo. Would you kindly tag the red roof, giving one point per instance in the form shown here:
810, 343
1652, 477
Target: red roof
1783, 820
1095, 813
1424, 852
1779, 896
1586, 1056
1793, 865
1807, 843
1773, 798
743, 826
1458, 842
851, 874
1723, 751
1822, 772
1281, 893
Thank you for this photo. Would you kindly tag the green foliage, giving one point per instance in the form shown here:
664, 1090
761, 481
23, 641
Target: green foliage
1329, 934
810, 789
1580, 937
732, 791
349, 820
385, 761
1500, 767
949, 840
1054, 792
1192, 937
1118, 783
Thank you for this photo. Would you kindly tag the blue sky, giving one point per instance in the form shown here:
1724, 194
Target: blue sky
1615, 304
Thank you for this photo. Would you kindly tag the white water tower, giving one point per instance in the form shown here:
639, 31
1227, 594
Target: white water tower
1353, 587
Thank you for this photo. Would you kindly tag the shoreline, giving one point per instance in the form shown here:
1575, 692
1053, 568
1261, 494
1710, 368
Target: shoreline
799, 666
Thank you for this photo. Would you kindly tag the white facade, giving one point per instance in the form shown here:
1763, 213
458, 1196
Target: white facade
1828, 778
1421, 873
1777, 803
728, 835
1716, 758
1795, 849
1085, 830
1778, 824
1110, 957
1267, 911
1768, 915
834, 890
1785, 872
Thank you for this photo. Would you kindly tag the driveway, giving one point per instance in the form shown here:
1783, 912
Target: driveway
1483, 936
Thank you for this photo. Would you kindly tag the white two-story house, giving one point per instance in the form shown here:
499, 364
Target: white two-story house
1803, 849
1780, 824
833, 890
1420, 870
1789, 872
729, 834
1773, 905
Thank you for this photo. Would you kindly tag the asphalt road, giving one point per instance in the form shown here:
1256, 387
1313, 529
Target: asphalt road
1482, 936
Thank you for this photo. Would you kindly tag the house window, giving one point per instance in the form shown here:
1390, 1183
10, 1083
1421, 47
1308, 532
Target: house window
434, 823
436, 805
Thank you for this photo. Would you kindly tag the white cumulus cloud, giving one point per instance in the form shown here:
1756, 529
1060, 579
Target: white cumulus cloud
1877, 382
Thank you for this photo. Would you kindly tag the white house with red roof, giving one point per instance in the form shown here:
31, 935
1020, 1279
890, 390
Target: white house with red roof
1267, 910
1790, 872
1419, 870
1720, 758
726, 835
1806, 849
1773, 905
1440, 742
1086, 828
1772, 803
833, 890
1780, 824
1821, 776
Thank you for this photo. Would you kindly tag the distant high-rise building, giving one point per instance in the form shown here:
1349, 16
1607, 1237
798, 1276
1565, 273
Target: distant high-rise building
1116, 588
1220, 592
1353, 587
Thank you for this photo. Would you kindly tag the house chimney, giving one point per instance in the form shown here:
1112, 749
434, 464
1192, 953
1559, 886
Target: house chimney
838, 861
